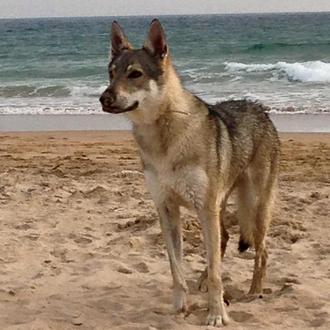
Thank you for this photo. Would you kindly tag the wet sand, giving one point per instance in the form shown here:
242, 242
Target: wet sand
317, 123
81, 246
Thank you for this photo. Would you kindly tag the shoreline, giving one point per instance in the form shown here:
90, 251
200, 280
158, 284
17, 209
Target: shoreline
295, 123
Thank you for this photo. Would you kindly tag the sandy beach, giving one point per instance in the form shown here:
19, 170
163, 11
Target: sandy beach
81, 246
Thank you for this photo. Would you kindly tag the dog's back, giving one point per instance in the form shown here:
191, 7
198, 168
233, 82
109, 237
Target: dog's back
249, 128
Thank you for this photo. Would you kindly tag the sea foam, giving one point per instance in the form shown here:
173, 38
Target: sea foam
312, 71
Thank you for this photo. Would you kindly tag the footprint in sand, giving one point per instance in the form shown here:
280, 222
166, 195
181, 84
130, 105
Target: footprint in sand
80, 239
318, 322
32, 236
232, 293
285, 289
23, 226
124, 270
241, 316
142, 267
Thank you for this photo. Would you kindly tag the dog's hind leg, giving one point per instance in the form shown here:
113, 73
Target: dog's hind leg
170, 223
262, 221
263, 175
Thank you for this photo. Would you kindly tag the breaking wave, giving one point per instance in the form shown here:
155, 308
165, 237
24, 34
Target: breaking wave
313, 71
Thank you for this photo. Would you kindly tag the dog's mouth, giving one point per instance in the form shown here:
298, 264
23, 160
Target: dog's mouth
117, 110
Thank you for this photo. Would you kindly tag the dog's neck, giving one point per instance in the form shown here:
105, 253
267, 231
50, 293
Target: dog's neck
171, 118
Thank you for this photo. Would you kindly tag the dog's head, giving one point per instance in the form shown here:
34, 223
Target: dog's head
136, 75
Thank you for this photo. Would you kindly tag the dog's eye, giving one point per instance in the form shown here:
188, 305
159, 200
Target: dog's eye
135, 74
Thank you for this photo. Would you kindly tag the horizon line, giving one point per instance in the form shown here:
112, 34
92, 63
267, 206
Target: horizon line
160, 15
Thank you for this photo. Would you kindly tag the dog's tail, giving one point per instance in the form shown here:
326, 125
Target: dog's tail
246, 220
243, 244
246, 212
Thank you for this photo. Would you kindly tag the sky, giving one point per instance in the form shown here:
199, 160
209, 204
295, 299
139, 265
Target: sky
56, 8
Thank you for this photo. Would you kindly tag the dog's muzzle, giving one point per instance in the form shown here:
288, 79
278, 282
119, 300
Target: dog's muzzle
108, 101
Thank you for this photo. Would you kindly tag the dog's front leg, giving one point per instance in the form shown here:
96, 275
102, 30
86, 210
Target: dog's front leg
169, 214
209, 218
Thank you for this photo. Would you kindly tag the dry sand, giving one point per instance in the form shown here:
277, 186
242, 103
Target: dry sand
81, 245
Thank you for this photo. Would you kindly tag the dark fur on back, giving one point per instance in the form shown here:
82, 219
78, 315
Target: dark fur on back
248, 126
243, 117
234, 113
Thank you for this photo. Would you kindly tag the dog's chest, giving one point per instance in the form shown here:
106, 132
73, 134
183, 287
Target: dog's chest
187, 185
169, 170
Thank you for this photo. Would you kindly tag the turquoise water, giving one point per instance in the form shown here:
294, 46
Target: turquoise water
60, 65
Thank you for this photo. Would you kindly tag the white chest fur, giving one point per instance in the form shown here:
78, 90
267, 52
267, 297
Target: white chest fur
187, 184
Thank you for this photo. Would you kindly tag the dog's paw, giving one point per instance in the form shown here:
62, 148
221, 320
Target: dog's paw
217, 320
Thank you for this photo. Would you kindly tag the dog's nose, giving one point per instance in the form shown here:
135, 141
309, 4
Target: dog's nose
102, 99
107, 98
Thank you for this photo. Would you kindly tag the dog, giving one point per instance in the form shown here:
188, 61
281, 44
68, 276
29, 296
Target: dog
195, 155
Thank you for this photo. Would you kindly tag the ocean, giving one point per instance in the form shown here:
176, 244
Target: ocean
59, 65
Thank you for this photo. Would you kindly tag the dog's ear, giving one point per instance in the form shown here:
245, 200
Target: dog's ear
119, 41
156, 41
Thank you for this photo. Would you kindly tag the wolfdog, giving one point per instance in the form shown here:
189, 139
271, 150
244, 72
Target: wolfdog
195, 155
